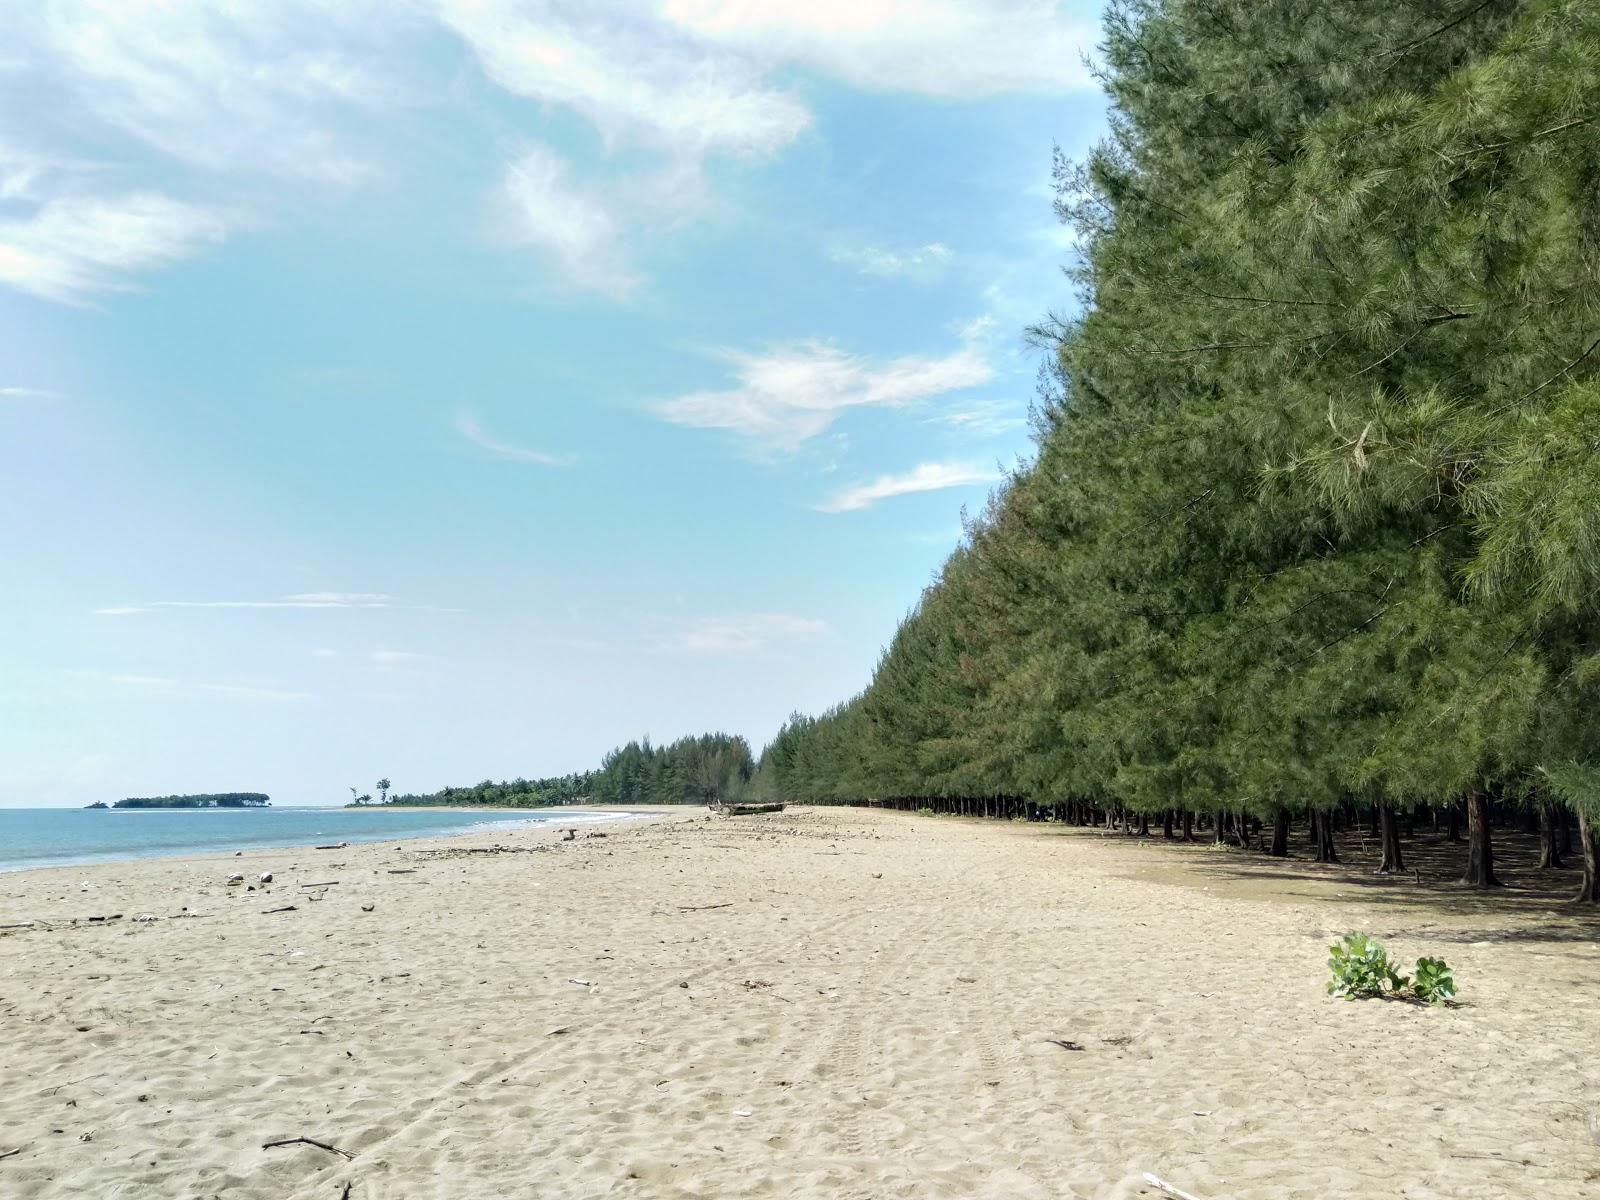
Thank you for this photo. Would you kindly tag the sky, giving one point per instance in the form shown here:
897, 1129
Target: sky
454, 389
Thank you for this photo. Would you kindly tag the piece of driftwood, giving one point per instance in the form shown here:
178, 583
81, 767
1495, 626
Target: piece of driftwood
19, 925
335, 846
402, 870
13, 1153
1161, 1185
703, 907
305, 1141
329, 883
102, 920
345, 1195
1064, 1044
285, 908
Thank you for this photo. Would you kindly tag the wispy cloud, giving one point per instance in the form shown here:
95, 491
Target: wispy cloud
929, 477
468, 427
787, 396
395, 658
252, 85
541, 207
185, 688
75, 246
635, 78
23, 393
955, 48
314, 600
750, 633
984, 418
924, 263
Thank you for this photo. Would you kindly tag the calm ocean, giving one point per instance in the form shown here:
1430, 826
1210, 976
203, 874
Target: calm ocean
44, 837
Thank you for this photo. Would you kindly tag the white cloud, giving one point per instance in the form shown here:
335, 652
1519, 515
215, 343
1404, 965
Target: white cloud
23, 393
188, 689
929, 477
953, 48
984, 418
632, 76
925, 262
250, 84
734, 635
542, 208
467, 425
393, 658
298, 600
325, 653
75, 246
789, 395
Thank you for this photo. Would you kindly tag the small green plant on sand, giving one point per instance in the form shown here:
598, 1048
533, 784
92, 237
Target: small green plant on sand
924, 812
1433, 983
1361, 969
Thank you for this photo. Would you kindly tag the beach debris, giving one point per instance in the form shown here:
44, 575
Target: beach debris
743, 1112
348, 1184
235, 878
103, 920
285, 908
684, 984
326, 883
145, 917
305, 1141
703, 907
19, 925
581, 982
1161, 1185
402, 870
12, 1153
334, 846
568, 835
264, 877
368, 907
558, 1031
1064, 1044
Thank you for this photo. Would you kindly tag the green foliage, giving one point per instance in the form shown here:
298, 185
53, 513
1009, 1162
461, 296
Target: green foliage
1311, 514
198, 800
1433, 984
1361, 969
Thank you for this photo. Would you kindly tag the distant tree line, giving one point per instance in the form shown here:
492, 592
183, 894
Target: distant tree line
693, 770
1312, 529
198, 800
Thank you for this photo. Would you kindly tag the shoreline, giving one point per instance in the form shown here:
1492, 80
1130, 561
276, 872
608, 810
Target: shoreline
595, 815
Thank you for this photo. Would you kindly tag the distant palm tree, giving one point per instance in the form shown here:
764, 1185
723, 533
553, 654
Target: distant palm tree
353, 797
383, 791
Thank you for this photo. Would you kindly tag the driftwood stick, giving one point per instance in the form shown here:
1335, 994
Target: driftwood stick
299, 1141
1161, 1185
285, 908
703, 907
325, 883
12, 1153
345, 1195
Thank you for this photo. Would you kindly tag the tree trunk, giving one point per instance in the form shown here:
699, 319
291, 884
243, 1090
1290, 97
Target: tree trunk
1280, 833
1549, 841
1480, 848
1389, 838
1188, 825
1453, 822
1589, 843
1166, 824
1322, 828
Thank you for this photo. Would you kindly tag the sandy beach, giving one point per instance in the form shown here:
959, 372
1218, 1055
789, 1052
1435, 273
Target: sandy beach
825, 1003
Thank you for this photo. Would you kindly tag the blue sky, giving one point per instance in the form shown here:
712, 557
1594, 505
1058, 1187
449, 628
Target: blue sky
450, 389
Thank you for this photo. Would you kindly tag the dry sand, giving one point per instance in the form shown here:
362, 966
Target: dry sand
875, 1009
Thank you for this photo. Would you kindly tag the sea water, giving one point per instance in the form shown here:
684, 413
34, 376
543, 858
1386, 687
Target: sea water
44, 837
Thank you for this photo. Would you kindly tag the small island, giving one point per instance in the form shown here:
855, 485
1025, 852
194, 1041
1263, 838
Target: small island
199, 800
